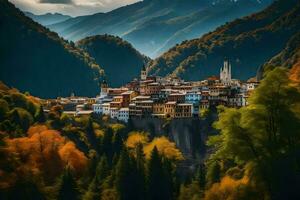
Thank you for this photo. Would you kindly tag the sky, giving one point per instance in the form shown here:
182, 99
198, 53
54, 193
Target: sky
70, 7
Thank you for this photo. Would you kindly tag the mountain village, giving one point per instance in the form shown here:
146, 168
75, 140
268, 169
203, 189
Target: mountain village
154, 96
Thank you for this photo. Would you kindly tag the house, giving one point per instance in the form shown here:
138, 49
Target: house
123, 114
169, 109
114, 113
106, 108
97, 108
183, 110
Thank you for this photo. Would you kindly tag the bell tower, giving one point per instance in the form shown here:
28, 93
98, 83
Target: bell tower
144, 73
104, 88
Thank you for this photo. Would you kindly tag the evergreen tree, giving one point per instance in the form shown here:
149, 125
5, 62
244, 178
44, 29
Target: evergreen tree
40, 115
26, 189
201, 176
140, 171
117, 143
90, 133
68, 188
125, 181
95, 187
156, 180
107, 146
213, 173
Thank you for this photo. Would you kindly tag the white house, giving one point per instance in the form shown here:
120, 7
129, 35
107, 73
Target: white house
123, 114
193, 97
97, 108
114, 113
106, 109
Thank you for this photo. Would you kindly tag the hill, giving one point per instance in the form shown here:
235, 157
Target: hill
36, 60
248, 43
153, 26
120, 61
289, 57
48, 18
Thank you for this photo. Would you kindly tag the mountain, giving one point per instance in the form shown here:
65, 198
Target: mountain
48, 18
289, 57
120, 61
36, 60
248, 43
153, 26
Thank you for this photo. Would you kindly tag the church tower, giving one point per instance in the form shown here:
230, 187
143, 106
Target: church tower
104, 88
144, 73
225, 73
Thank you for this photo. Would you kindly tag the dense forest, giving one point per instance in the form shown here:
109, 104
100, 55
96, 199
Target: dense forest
120, 61
56, 156
36, 60
247, 42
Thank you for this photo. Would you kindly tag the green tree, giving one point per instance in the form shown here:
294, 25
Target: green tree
25, 188
213, 173
68, 188
40, 115
125, 180
265, 136
95, 187
156, 180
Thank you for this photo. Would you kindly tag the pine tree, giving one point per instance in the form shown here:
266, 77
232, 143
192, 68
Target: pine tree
68, 188
40, 115
26, 189
95, 189
200, 176
156, 179
107, 145
90, 133
213, 173
125, 180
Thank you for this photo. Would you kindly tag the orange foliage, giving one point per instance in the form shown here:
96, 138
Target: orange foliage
165, 147
295, 74
46, 152
36, 129
227, 189
71, 156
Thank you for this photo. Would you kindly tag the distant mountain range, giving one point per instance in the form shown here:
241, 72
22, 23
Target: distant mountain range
120, 61
153, 26
48, 18
248, 43
36, 60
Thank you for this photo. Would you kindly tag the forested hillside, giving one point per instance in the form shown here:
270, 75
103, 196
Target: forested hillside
289, 57
57, 156
153, 26
36, 60
248, 43
120, 61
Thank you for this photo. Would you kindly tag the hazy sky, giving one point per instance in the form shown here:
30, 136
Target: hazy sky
70, 7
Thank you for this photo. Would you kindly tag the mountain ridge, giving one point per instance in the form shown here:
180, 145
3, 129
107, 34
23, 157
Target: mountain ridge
248, 42
133, 22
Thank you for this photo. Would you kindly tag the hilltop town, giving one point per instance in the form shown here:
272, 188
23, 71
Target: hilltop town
158, 97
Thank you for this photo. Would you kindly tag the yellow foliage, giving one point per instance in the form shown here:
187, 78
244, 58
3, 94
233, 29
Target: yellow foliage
135, 138
227, 189
99, 132
164, 147
117, 127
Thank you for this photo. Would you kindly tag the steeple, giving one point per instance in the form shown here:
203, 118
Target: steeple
104, 88
225, 73
143, 73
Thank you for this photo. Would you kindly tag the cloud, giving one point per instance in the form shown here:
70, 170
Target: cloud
56, 1
70, 7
